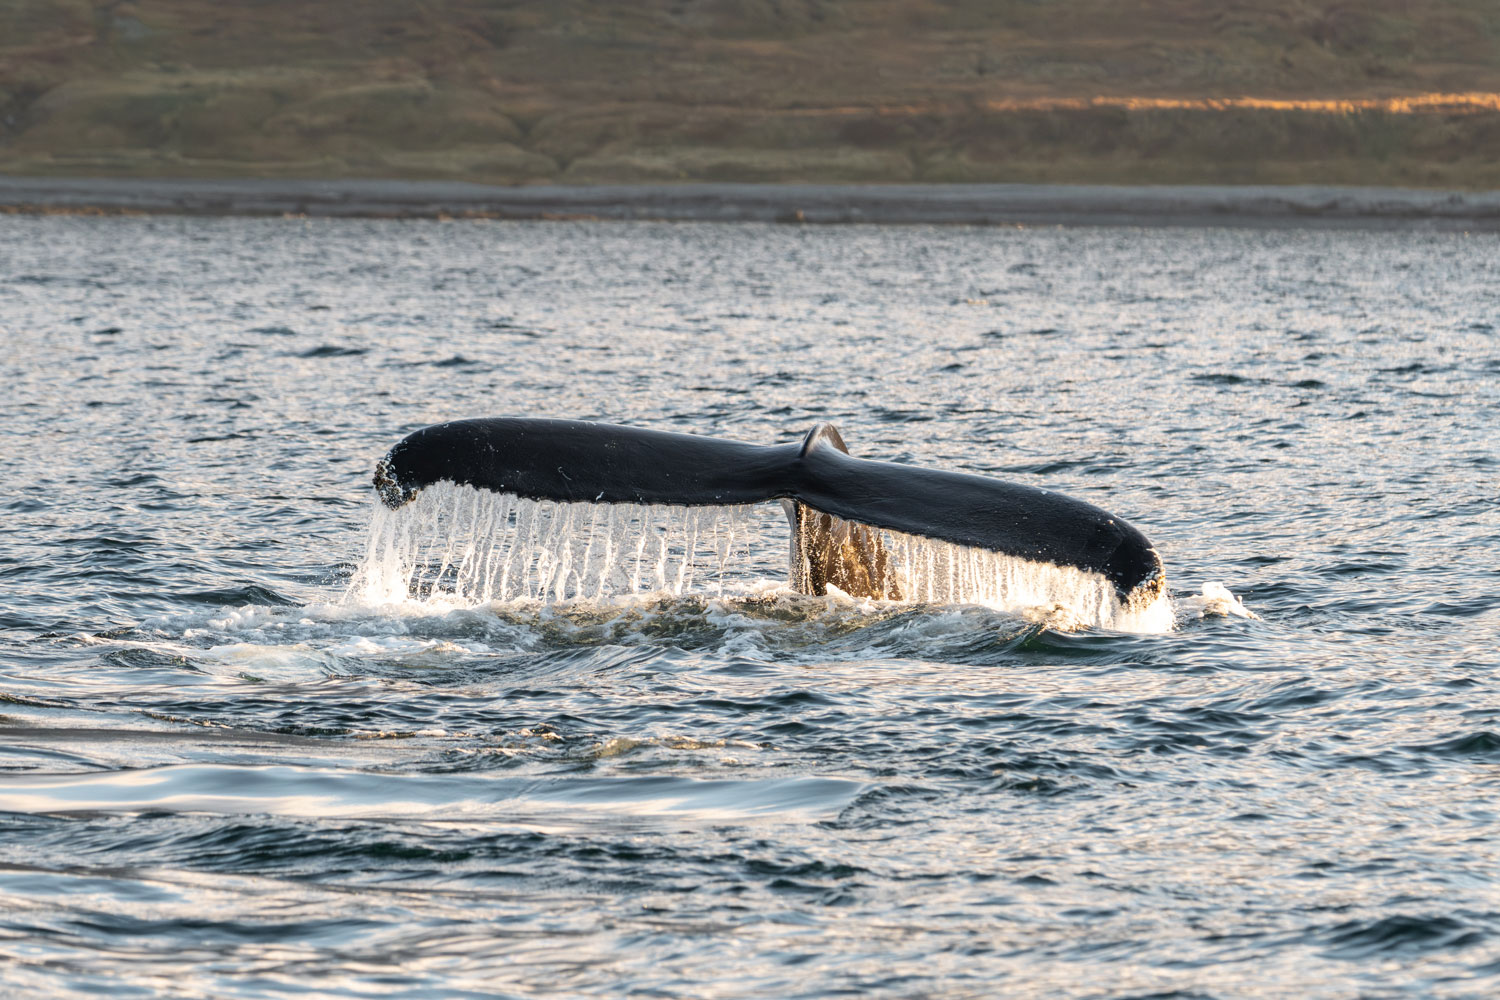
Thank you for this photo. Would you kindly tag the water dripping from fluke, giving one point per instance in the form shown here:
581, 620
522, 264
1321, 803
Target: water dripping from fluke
469, 546
555, 511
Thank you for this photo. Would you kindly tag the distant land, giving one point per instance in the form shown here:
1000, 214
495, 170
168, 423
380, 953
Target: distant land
1394, 93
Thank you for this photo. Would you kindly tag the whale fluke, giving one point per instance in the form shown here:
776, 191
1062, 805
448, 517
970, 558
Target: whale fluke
836, 503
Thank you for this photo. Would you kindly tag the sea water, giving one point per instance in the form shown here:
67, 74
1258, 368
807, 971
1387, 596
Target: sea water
238, 762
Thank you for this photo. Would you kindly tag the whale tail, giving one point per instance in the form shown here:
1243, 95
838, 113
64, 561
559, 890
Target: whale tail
845, 513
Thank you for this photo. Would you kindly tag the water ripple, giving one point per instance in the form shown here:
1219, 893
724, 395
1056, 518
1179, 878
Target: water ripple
219, 778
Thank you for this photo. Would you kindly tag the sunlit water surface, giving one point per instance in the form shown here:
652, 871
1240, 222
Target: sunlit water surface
223, 777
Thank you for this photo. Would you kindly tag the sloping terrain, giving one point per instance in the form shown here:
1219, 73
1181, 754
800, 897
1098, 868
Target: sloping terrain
1378, 92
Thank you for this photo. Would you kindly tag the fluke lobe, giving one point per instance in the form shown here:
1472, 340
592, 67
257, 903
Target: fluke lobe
834, 501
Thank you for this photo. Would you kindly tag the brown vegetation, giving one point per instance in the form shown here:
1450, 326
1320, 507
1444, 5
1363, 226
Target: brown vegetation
517, 91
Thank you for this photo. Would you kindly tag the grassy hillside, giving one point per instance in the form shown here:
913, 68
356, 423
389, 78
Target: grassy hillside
517, 91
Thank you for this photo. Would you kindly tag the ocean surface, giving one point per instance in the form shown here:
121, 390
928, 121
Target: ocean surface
229, 768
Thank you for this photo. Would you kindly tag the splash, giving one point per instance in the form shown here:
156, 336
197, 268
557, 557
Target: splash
461, 546
1214, 601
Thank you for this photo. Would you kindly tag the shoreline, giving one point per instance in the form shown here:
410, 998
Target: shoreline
1300, 206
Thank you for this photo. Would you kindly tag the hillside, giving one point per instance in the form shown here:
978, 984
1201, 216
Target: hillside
1264, 91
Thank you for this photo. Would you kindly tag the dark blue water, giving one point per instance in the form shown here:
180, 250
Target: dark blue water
220, 778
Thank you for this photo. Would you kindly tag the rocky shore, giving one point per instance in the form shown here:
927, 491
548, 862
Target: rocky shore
960, 204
